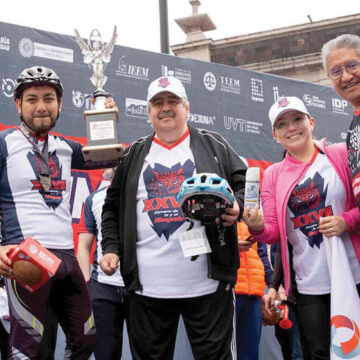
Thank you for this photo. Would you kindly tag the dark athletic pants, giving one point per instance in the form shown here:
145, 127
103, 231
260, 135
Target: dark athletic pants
111, 307
66, 292
289, 339
209, 322
4, 340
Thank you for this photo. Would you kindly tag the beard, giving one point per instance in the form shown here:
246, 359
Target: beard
40, 125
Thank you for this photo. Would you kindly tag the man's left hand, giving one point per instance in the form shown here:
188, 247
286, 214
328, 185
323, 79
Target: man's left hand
109, 103
231, 215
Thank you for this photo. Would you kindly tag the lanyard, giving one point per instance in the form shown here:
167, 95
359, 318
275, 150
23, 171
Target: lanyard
44, 158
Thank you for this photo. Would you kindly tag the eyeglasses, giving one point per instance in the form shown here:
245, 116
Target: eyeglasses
351, 67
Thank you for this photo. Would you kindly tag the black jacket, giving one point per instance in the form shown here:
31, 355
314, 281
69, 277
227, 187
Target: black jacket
119, 228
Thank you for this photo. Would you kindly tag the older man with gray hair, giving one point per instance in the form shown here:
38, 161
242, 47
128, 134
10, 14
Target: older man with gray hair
341, 60
143, 224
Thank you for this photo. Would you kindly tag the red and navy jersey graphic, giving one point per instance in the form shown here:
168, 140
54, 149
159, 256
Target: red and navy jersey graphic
353, 146
307, 203
162, 185
53, 196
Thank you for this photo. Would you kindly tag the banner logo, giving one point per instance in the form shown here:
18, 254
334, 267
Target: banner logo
29, 48
78, 98
7, 87
202, 119
229, 84
132, 71
4, 43
184, 75
257, 90
242, 125
339, 106
342, 325
136, 108
276, 93
314, 101
26, 48
210, 81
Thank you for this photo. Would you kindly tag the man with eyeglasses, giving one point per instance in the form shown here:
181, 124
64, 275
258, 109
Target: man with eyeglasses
341, 61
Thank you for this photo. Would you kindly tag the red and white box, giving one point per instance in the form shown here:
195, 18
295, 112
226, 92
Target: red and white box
31, 250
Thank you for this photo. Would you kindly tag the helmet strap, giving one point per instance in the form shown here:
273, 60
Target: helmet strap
191, 223
221, 231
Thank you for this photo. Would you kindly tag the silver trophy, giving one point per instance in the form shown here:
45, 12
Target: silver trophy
102, 139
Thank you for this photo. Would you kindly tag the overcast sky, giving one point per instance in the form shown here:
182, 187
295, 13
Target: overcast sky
138, 20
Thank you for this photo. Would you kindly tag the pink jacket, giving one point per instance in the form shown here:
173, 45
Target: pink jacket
278, 183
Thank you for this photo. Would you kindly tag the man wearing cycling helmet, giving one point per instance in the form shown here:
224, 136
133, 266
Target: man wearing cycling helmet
35, 179
142, 223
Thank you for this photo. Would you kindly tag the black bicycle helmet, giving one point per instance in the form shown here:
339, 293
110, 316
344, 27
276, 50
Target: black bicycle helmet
35, 76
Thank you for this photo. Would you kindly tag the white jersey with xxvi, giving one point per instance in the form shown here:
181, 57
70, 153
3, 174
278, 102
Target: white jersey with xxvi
26, 208
163, 270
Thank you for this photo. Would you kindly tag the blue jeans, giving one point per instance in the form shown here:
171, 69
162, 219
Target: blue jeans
248, 326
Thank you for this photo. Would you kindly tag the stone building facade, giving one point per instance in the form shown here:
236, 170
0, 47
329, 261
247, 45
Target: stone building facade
293, 52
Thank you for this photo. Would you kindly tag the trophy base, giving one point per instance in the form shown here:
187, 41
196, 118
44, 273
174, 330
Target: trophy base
104, 153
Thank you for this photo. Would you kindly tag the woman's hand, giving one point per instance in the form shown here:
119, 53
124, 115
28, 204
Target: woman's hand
255, 220
332, 225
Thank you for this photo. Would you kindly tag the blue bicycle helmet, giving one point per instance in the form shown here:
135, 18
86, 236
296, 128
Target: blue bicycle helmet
205, 197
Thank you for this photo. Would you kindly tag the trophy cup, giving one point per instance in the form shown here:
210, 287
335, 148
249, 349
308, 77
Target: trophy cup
102, 140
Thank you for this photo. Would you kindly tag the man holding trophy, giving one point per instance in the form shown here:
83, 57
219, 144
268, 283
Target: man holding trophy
35, 189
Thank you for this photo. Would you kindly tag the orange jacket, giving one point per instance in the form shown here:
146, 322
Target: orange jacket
251, 274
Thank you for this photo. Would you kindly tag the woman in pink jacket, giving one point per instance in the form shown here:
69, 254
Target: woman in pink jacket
304, 197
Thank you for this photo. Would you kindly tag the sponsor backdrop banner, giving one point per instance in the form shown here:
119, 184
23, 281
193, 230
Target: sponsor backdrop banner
231, 101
